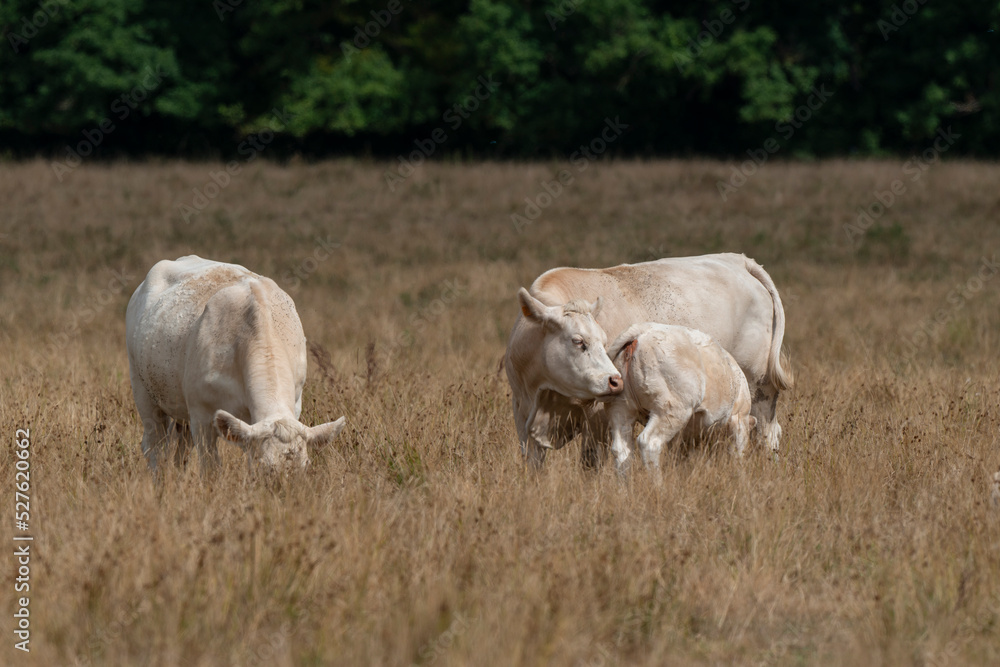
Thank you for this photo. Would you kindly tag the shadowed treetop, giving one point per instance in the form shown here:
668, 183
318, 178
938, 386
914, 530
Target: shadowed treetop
375, 76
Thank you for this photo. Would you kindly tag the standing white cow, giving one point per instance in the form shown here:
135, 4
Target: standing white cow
569, 361
216, 346
682, 380
728, 296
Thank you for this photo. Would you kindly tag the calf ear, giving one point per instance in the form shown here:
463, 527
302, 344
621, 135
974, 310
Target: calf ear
323, 435
232, 428
753, 422
532, 308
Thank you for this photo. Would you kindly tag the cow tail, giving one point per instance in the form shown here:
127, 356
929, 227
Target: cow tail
779, 371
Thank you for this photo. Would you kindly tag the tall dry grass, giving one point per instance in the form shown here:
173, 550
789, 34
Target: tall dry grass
418, 537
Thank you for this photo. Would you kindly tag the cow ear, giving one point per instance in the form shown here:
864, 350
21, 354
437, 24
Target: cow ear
595, 307
322, 435
232, 428
753, 422
532, 308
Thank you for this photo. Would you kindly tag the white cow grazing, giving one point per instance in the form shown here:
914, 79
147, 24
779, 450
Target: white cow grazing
569, 360
728, 296
216, 346
682, 380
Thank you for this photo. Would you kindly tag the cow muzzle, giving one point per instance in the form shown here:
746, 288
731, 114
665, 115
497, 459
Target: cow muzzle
615, 387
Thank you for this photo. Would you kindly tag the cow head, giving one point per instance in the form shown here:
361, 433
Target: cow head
572, 348
279, 445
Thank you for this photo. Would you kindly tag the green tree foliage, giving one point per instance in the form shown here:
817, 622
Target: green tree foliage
715, 76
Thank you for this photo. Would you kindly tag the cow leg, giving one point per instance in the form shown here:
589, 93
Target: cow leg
622, 441
204, 436
184, 443
764, 409
155, 427
155, 441
658, 432
520, 425
533, 453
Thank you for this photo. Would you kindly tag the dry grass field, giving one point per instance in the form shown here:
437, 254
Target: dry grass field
419, 537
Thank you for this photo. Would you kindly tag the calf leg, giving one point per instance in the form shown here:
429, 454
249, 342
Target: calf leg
660, 430
622, 421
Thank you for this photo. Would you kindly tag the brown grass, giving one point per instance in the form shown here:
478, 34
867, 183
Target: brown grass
419, 538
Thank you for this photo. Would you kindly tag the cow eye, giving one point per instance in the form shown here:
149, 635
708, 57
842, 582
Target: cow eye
579, 343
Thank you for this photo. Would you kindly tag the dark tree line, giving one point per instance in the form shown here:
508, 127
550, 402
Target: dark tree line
497, 79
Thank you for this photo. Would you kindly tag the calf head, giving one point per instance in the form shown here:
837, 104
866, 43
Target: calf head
279, 445
572, 348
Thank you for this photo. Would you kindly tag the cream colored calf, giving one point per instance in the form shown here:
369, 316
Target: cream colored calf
681, 379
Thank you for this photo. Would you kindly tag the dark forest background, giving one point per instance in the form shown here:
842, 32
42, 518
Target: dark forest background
530, 79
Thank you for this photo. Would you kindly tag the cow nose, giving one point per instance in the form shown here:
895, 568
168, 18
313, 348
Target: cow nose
615, 384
